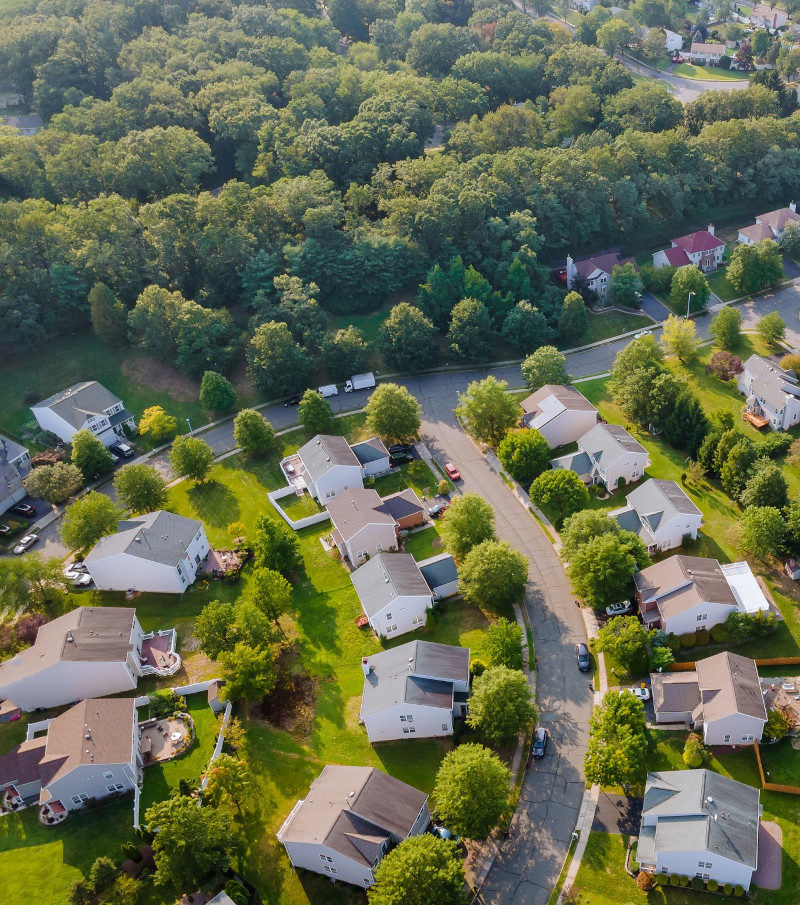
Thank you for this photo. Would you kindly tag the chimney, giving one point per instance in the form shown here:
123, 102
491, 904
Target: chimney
572, 271
365, 666
711, 228
793, 207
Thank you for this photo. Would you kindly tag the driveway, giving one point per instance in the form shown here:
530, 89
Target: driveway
617, 814
530, 860
770, 853
655, 309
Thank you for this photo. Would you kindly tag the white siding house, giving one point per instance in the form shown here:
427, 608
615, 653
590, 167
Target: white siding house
326, 466
351, 817
772, 393
660, 513
606, 454
15, 465
159, 552
706, 54
373, 456
702, 249
560, 413
595, 272
393, 593
84, 406
361, 528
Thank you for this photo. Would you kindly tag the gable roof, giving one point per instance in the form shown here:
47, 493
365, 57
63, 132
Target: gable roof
657, 501
606, 443
161, 537
439, 570
10, 449
771, 383
675, 692
352, 810
402, 504
701, 47
371, 450
702, 240
677, 257
386, 577
680, 583
779, 218
550, 401
354, 509
729, 684
78, 402
324, 452
589, 268
758, 232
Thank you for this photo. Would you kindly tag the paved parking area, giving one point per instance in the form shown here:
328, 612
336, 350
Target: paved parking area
617, 814
770, 854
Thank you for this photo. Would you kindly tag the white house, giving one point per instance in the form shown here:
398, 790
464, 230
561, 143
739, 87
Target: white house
441, 574
326, 465
361, 527
706, 54
91, 751
673, 41
701, 248
771, 19
414, 691
769, 226
88, 652
660, 513
393, 594
349, 820
84, 406
595, 272
560, 413
159, 552
773, 395
696, 823
15, 465
372, 455
606, 454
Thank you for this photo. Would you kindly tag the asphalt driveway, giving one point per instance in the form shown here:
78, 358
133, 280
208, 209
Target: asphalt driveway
617, 814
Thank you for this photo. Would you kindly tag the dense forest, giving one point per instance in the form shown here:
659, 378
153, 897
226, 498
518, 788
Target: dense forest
224, 173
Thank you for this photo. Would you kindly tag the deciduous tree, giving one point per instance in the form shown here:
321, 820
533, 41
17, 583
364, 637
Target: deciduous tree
626, 640
228, 778
689, 279
249, 672
487, 410
755, 267
525, 327
253, 434
724, 365
315, 413
158, 424
192, 458
625, 286
270, 592
763, 531
87, 520
276, 363
214, 628
345, 351
471, 334
766, 486
617, 743
560, 492
469, 521
772, 328
679, 337
574, 318
602, 570
275, 546
109, 317
140, 488
493, 576
393, 413
216, 392
583, 526
525, 454
726, 328
504, 644
54, 483
407, 338
546, 366
421, 870
90, 456
31, 582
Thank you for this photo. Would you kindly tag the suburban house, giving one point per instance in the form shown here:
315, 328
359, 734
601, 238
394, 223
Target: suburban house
561, 414
441, 574
722, 696
372, 455
159, 552
349, 820
773, 395
660, 513
696, 823
702, 248
89, 752
706, 54
393, 594
88, 652
406, 508
686, 593
325, 466
28, 124
672, 40
414, 690
769, 226
606, 454
84, 406
595, 272
15, 464
762, 16
361, 526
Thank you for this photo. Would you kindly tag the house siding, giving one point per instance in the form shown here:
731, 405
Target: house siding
738, 726
88, 780
671, 535
339, 478
402, 610
379, 466
631, 467
307, 855
426, 722
568, 427
371, 539
687, 621
68, 681
722, 869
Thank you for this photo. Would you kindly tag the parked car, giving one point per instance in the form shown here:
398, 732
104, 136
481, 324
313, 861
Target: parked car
80, 579
540, 737
618, 609
74, 569
396, 448
438, 509
582, 656
24, 509
26, 543
292, 400
5, 531
452, 472
443, 833
642, 333
396, 459
642, 693
121, 448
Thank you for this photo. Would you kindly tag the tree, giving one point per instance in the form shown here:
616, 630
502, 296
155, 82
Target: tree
275, 546
736, 469
190, 843
763, 531
109, 317
545, 366
504, 644
602, 570
755, 267
216, 392
270, 592
471, 334
772, 328
407, 339
140, 488
525, 454
315, 413
626, 640
87, 520
32, 583
54, 483
766, 486
191, 457
679, 337
726, 328
560, 492
249, 672
493, 575
694, 751
625, 286
89, 454
471, 791
393, 413
345, 351
725, 365
469, 521
776, 727
614, 35
487, 410
574, 318
525, 327
228, 778
583, 526
253, 434
790, 240
617, 742
156, 422
421, 870
689, 279
276, 363
214, 628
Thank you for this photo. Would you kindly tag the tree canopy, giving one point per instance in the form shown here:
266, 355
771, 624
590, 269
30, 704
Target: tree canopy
467, 522
393, 413
488, 410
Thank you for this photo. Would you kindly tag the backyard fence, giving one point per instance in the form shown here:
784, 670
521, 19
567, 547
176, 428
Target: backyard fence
198, 686
295, 524
220, 741
764, 661
773, 786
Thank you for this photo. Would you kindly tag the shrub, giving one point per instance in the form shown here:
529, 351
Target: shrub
621, 482
694, 753
27, 627
697, 883
645, 881
684, 881
777, 726
443, 486
164, 703
237, 892
727, 889
791, 362
702, 637
674, 880
688, 640
131, 851
477, 668
719, 633
661, 880
430, 621
80, 893
738, 891
673, 642
712, 885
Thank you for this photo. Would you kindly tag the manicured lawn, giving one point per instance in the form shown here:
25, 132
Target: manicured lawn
608, 324
416, 475
424, 544
297, 507
721, 286
782, 762
706, 73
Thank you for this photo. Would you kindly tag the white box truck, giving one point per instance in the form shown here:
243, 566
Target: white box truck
329, 389
359, 382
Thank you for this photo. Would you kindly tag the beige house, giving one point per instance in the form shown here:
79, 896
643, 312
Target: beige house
770, 225
361, 526
560, 413
706, 54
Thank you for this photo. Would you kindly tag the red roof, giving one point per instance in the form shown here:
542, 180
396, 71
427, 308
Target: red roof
702, 240
677, 257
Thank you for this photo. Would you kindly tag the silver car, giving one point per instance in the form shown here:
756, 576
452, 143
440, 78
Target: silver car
26, 543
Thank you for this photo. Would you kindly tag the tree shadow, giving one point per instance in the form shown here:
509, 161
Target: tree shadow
215, 503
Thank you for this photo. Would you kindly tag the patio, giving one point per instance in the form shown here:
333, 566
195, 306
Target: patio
293, 470
158, 653
164, 739
221, 562
52, 813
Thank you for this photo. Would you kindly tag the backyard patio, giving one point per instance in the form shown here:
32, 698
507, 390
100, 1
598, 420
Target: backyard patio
164, 739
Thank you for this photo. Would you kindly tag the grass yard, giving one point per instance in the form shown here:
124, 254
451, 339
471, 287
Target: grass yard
782, 762
608, 324
721, 286
707, 73
417, 475
424, 544
298, 507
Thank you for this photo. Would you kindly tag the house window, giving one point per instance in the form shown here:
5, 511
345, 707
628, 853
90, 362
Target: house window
388, 617
444, 727
412, 730
402, 719
116, 787
329, 494
326, 858
79, 799
663, 870
108, 775
366, 881
361, 554
394, 628
634, 474
379, 547
748, 738
410, 718
702, 617
726, 738
701, 863
405, 729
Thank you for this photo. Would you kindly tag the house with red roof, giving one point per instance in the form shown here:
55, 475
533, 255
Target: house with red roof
701, 248
769, 226
595, 272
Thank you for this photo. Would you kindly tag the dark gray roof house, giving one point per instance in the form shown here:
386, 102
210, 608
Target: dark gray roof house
441, 574
324, 452
393, 592
369, 451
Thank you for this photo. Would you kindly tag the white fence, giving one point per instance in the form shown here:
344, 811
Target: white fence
198, 686
297, 524
33, 728
220, 741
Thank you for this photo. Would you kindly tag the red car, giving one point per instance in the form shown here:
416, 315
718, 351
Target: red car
452, 472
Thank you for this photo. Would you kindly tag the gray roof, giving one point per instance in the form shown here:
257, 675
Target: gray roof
10, 449
371, 450
78, 402
729, 684
419, 672
402, 504
606, 443
355, 508
160, 536
679, 583
659, 501
10, 480
771, 383
324, 452
675, 692
578, 462
685, 803
386, 577
628, 519
439, 570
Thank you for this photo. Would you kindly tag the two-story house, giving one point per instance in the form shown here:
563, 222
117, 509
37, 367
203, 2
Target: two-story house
361, 526
84, 406
560, 413
159, 552
394, 594
325, 466
770, 225
702, 249
773, 395
660, 513
763, 16
595, 272
15, 465
350, 818
89, 752
606, 455
706, 54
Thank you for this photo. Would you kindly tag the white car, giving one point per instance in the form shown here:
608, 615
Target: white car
79, 579
26, 543
618, 609
642, 693
643, 333
73, 569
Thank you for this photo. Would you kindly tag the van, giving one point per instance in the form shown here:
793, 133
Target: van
329, 389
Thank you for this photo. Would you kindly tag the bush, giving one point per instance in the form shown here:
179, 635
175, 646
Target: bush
237, 892
688, 640
131, 851
443, 487
645, 881
164, 703
621, 482
702, 637
27, 627
684, 881
697, 883
674, 880
727, 889
775, 444
738, 891
719, 633
694, 752
430, 621
80, 892
661, 880
712, 885
673, 642
477, 668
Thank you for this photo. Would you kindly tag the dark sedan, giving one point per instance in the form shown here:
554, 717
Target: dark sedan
540, 737
582, 656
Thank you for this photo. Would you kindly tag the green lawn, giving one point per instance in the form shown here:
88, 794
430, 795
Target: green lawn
298, 507
416, 475
721, 285
611, 323
782, 762
424, 544
706, 73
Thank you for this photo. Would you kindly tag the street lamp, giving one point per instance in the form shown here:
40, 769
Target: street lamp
190, 426
688, 303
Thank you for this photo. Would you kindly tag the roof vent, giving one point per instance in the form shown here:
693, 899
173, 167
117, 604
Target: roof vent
88, 735
69, 637
351, 795
410, 659
138, 539
709, 800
